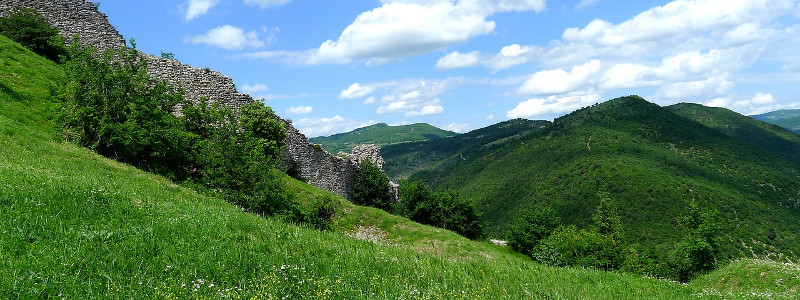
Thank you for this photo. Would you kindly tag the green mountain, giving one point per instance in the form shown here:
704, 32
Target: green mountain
404, 159
381, 135
653, 162
786, 118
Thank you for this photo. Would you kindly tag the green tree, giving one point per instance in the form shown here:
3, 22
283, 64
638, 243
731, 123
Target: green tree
416, 202
527, 230
458, 215
112, 106
29, 28
371, 187
607, 219
697, 251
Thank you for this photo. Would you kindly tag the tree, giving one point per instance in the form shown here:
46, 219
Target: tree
606, 219
371, 187
527, 230
697, 251
29, 28
112, 106
416, 202
458, 215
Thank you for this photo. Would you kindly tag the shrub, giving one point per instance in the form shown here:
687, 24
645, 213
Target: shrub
30, 29
527, 230
371, 187
569, 246
113, 107
697, 252
444, 209
321, 212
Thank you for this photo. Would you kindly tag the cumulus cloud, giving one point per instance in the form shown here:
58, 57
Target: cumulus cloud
457, 127
229, 37
300, 110
697, 90
455, 59
681, 17
254, 88
559, 81
196, 8
400, 29
553, 105
355, 91
314, 127
760, 103
266, 3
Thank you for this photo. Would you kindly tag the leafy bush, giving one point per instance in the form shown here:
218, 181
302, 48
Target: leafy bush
526, 231
321, 212
697, 252
113, 107
371, 187
570, 246
444, 209
29, 28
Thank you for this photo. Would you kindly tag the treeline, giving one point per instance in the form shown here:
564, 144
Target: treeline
442, 209
540, 234
112, 106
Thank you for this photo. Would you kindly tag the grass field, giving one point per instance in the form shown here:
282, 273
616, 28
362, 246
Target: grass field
76, 225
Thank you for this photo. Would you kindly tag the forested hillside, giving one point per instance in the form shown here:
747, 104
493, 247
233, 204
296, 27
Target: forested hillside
654, 164
381, 135
786, 118
405, 159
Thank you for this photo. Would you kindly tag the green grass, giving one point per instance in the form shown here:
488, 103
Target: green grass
76, 225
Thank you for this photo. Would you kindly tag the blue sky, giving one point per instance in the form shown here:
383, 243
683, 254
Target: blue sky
466, 64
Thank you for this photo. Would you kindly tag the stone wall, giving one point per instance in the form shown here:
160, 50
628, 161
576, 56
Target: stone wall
81, 17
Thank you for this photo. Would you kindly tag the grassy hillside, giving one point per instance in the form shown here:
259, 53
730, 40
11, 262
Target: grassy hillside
786, 118
76, 225
381, 135
653, 163
402, 160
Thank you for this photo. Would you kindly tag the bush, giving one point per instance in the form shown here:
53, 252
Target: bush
444, 209
569, 246
321, 212
526, 231
30, 29
458, 215
371, 187
113, 107
697, 252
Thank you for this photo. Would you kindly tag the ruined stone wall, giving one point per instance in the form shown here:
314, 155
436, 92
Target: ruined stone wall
81, 17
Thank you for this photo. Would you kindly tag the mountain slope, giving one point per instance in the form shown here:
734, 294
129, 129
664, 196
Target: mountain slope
76, 225
381, 135
772, 138
405, 159
653, 163
786, 118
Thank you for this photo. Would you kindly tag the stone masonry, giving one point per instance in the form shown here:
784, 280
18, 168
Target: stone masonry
318, 167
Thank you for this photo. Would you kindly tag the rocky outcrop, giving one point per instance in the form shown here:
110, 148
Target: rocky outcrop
82, 18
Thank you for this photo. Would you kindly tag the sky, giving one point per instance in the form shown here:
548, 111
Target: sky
333, 66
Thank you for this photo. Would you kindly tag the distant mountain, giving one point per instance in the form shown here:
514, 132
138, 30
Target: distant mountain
653, 162
405, 159
786, 118
381, 135
772, 138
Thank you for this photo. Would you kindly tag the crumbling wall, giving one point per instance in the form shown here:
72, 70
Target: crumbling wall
82, 18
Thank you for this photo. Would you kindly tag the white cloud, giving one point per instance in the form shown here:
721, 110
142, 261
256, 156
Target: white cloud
196, 8
559, 81
490, 117
266, 3
457, 127
426, 110
229, 37
586, 3
254, 88
300, 110
404, 28
538, 107
698, 90
681, 17
455, 59
355, 91
314, 127
760, 103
